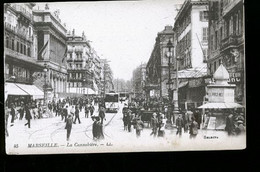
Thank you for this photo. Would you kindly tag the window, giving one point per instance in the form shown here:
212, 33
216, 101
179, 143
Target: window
17, 46
71, 55
12, 44
219, 61
215, 66
7, 42
204, 15
21, 49
29, 51
205, 34
205, 54
24, 49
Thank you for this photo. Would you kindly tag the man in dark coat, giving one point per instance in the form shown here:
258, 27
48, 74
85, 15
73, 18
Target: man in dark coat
68, 126
97, 130
91, 109
77, 114
230, 125
179, 124
28, 116
21, 111
12, 114
65, 113
154, 124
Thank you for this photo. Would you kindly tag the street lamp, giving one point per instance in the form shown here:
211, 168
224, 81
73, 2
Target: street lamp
45, 70
169, 83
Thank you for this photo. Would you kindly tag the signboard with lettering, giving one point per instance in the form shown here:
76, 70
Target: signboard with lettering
219, 95
235, 77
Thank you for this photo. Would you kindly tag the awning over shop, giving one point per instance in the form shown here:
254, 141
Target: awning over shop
12, 89
181, 84
32, 90
220, 106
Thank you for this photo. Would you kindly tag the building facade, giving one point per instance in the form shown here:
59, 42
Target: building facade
226, 42
158, 65
191, 49
106, 77
20, 51
138, 81
51, 49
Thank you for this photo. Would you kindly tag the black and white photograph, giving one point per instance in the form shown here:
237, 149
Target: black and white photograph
124, 76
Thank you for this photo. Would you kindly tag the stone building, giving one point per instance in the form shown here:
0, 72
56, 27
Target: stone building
226, 42
51, 49
20, 53
80, 64
191, 49
157, 66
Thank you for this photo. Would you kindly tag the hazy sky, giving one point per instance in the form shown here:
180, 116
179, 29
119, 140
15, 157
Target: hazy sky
124, 32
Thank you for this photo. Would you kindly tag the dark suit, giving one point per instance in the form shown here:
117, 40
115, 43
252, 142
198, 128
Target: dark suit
28, 117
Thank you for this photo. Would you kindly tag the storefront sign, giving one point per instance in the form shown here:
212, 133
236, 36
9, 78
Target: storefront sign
221, 95
235, 77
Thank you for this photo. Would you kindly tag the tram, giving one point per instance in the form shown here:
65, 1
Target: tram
112, 102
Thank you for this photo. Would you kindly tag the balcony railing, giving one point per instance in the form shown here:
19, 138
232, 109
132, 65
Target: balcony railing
22, 10
78, 59
232, 40
18, 32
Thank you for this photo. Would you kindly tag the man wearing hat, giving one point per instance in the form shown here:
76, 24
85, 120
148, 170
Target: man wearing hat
130, 117
68, 126
154, 124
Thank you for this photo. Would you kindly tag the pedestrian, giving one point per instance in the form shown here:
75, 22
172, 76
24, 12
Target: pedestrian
230, 125
240, 128
21, 111
6, 120
102, 114
129, 120
139, 125
179, 125
28, 116
186, 122
77, 115
91, 109
154, 125
125, 121
86, 111
65, 113
97, 130
161, 126
197, 116
193, 128
72, 111
13, 113
68, 126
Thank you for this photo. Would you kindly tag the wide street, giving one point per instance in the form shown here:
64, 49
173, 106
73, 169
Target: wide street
52, 130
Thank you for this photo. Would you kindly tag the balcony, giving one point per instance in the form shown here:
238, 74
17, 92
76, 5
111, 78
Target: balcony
19, 79
78, 60
22, 11
231, 41
18, 32
69, 59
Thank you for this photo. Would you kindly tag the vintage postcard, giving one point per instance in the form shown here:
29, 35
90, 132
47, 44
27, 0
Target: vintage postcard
124, 76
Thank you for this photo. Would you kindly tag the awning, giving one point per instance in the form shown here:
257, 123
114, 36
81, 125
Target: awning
181, 84
220, 106
31, 90
12, 89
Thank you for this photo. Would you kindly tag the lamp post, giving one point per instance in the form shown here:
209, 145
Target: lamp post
45, 70
169, 83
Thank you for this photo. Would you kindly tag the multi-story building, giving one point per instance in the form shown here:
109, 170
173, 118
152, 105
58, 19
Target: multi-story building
106, 77
20, 53
226, 42
96, 71
191, 49
51, 48
158, 65
138, 81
